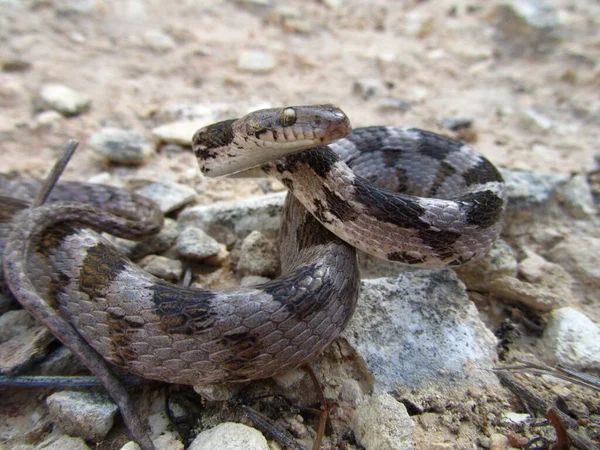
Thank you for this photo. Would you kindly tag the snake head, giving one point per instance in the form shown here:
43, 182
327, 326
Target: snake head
261, 136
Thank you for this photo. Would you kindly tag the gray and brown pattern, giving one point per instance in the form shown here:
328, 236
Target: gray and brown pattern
449, 212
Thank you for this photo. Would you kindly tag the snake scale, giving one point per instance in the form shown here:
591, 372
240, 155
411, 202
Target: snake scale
449, 212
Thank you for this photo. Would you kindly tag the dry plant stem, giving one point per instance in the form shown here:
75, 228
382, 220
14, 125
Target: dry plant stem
265, 424
21, 286
563, 442
540, 407
57, 170
324, 411
564, 373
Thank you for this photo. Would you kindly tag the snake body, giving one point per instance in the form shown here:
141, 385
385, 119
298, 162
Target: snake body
449, 213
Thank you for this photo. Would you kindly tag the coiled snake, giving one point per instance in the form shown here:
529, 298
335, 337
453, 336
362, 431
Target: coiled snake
449, 213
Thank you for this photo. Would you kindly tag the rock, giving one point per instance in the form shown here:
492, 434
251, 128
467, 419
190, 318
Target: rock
131, 446
498, 442
195, 244
393, 104
541, 285
15, 322
499, 262
513, 418
258, 256
576, 197
217, 392
230, 436
571, 339
527, 190
526, 27
383, 423
63, 443
168, 196
64, 99
420, 328
256, 61
153, 244
161, 267
47, 120
179, 132
242, 216
367, 87
60, 362
83, 414
580, 256
23, 349
120, 145
159, 41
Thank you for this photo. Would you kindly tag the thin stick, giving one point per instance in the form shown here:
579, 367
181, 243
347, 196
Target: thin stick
56, 172
324, 410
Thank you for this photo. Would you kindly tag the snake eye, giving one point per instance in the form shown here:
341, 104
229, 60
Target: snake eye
288, 117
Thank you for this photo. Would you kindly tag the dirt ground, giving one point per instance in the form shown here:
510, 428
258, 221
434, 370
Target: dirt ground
531, 93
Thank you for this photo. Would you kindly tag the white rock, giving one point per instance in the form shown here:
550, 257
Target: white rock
162, 267
420, 328
571, 339
63, 443
194, 243
64, 99
180, 132
230, 436
383, 423
513, 418
131, 446
86, 415
159, 41
256, 61
576, 196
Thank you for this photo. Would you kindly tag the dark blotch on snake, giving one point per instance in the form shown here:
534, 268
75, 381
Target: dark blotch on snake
321, 237
485, 208
182, 311
442, 242
483, 172
99, 269
396, 209
320, 159
404, 258
436, 146
444, 171
339, 207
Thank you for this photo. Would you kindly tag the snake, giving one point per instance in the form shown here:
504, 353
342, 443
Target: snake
398, 193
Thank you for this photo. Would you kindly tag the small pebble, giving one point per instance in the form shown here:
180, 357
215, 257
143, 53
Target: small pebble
367, 87
258, 256
162, 267
193, 243
455, 124
393, 104
120, 145
64, 99
83, 414
230, 436
159, 41
256, 61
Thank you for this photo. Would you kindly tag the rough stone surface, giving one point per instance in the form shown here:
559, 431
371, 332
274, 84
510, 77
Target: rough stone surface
131, 446
63, 99
541, 285
383, 423
242, 216
230, 436
576, 197
571, 339
14, 322
168, 196
124, 146
86, 415
258, 256
193, 243
162, 267
23, 349
580, 256
437, 334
